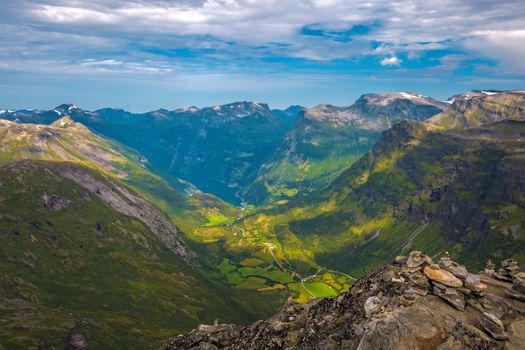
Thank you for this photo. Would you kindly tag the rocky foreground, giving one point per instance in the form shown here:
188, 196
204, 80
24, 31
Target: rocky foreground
412, 303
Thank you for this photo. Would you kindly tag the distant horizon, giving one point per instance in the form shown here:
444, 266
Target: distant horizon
271, 107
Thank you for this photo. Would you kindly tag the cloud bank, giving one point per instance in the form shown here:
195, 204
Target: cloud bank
341, 38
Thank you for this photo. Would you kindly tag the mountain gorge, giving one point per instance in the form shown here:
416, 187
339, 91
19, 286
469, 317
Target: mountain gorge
86, 248
218, 149
135, 214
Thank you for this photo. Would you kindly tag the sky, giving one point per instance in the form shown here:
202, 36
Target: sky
142, 55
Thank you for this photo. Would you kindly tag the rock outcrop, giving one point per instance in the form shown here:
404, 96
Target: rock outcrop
412, 303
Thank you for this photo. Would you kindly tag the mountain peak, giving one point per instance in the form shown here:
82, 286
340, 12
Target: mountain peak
390, 98
241, 109
379, 110
65, 109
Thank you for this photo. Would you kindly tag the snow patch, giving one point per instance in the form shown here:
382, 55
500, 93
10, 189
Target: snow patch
72, 107
411, 96
191, 109
489, 93
217, 108
57, 112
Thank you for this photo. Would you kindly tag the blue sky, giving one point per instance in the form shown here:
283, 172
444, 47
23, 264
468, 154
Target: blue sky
143, 55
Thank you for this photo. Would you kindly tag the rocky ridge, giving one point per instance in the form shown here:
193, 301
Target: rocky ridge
412, 303
478, 108
379, 111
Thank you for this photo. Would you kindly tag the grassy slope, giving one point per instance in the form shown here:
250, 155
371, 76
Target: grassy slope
186, 206
311, 156
420, 188
87, 268
74, 143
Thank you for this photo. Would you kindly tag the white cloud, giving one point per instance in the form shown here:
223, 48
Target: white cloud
51, 29
62, 14
506, 47
391, 61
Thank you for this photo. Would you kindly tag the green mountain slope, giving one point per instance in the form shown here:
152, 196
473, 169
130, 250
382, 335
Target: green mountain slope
426, 188
326, 139
421, 187
86, 253
67, 140
81, 254
205, 221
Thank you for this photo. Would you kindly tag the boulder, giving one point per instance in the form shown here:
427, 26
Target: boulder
388, 275
408, 297
398, 279
416, 261
438, 287
77, 341
455, 298
503, 275
465, 291
372, 306
442, 276
511, 293
466, 336
451, 295
419, 279
400, 260
418, 291
445, 260
473, 282
456, 269
493, 326
518, 282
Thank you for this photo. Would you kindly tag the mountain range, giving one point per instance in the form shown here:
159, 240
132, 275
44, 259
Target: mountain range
186, 216
327, 139
216, 148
